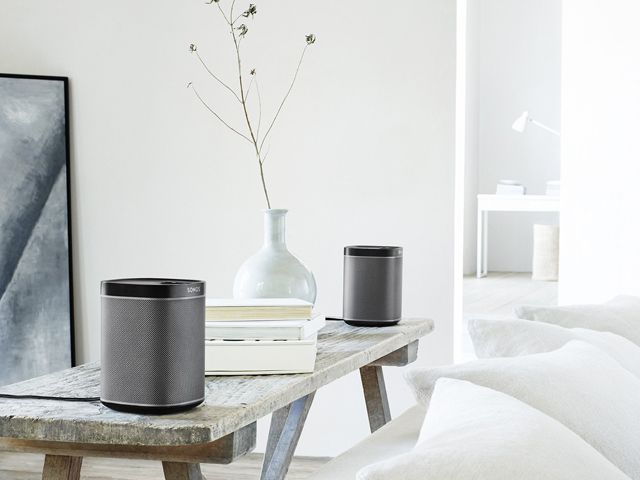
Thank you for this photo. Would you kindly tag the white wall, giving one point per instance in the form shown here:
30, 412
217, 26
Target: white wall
470, 135
601, 97
363, 153
516, 64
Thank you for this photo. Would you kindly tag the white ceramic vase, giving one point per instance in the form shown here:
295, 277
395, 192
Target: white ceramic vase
273, 272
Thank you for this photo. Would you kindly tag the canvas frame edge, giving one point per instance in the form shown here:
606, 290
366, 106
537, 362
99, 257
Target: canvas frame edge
67, 127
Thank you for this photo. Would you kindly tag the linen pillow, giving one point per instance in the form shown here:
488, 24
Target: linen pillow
579, 385
472, 432
514, 337
621, 315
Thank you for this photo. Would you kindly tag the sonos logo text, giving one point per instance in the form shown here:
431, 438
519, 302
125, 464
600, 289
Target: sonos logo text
193, 289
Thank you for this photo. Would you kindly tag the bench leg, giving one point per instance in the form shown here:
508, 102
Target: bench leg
182, 471
284, 433
58, 467
375, 396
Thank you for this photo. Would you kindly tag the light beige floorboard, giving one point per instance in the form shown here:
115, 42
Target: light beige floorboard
23, 466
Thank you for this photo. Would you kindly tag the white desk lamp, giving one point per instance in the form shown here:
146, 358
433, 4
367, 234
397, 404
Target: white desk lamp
521, 123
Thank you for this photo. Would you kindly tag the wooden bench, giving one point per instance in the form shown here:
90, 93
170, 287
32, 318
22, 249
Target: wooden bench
222, 429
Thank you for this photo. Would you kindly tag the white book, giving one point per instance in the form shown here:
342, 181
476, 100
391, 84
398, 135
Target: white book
510, 190
256, 302
264, 329
230, 309
259, 357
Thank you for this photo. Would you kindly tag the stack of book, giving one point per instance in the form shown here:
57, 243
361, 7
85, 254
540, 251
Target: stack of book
510, 187
260, 336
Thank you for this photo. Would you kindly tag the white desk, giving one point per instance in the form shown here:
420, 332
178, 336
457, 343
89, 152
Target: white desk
506, 203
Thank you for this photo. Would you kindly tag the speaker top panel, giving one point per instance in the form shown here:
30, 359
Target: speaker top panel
372, 251
152, 288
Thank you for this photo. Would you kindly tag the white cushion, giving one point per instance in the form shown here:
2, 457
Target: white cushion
512, 338
578, 385
396, 437
473, 432
620, 315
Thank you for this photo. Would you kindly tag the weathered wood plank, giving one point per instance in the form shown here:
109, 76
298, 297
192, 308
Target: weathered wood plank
224, 450
401, 357
375, 396
284, 433
58, 467
182, 471
231, 402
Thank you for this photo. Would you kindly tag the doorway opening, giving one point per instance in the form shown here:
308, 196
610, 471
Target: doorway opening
508, 159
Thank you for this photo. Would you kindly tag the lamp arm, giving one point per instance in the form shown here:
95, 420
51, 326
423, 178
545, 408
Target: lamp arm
544, 127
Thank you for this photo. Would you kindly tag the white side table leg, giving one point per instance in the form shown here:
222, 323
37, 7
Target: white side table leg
485, 243
479, 246
482, 247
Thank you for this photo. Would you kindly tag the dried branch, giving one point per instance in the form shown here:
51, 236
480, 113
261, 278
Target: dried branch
295, 76
237, 18
238, 34
233, 4
259, 108
250, 85
254, 80
221, 11
264, 157
254, 139
194, 49
190, 85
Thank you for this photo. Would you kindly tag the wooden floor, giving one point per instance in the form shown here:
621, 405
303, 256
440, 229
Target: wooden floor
29, 467
496, 295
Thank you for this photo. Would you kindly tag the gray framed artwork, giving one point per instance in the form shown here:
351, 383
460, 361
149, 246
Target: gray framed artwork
36, 299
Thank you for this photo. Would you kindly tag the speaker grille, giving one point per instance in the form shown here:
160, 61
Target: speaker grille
152, 351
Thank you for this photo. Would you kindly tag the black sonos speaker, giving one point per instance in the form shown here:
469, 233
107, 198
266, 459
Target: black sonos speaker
372, 291
152, 344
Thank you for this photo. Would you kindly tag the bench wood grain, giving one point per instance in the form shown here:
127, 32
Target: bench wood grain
61, 468
224, 450
218, 431
284, 433
375, 396
182, 471
230, 404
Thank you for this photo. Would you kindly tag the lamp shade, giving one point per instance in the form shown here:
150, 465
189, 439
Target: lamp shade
520, 125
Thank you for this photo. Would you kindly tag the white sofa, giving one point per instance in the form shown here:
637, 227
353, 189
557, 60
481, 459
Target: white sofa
532, 407
396, 437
